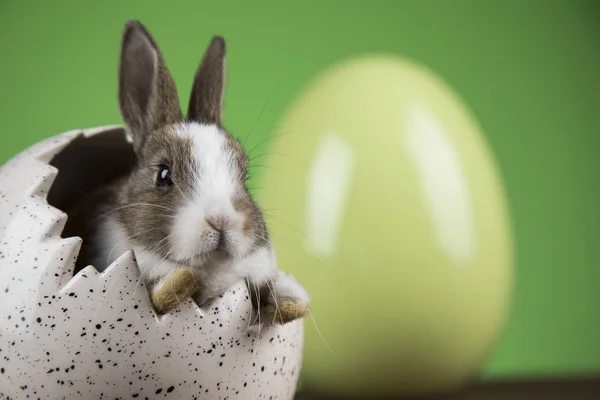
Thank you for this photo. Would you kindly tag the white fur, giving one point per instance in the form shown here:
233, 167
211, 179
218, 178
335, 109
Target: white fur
262, 265
219, 275
214, 188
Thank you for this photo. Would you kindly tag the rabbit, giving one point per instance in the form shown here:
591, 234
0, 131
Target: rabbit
184, 209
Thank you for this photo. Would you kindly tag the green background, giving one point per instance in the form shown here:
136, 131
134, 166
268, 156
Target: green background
529, 70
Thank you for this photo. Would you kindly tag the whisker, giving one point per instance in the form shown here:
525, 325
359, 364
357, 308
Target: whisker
250, 288
272, 290
263, 166
260, 114
133, 205
255, 350
276, 135
158, 244
298, 230
319, 332
153, 266
271, 154
182, 194
276, 209
254, 188
165, 216
143, 271
125, 241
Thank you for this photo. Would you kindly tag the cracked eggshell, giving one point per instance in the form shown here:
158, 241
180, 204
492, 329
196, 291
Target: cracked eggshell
95, 335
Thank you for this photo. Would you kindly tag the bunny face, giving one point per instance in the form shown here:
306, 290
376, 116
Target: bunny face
187, 201
190, 187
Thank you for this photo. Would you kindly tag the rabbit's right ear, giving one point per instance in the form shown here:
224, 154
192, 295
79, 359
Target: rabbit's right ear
147, 94
206, 101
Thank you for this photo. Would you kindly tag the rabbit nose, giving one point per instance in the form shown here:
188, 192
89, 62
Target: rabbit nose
219, 224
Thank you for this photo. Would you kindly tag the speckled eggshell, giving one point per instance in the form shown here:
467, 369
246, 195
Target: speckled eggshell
95, 335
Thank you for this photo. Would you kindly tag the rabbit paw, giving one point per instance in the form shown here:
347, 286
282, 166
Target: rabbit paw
281, 300
175, 289
284, 311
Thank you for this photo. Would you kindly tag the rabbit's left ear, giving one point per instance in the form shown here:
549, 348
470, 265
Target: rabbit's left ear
206, 101
147, 93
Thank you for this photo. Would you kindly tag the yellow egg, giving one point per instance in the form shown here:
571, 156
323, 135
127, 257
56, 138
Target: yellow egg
383, 200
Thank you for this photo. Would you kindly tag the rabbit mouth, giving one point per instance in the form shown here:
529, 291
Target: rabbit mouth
222, 250
217, 252
211, 245
221, 244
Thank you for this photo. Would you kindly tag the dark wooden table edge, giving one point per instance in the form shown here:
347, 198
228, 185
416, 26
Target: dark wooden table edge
550, 388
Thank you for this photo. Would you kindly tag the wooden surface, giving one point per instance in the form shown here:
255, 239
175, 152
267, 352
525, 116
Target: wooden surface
559, 389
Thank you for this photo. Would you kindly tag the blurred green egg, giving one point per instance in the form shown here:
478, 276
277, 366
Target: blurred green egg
384, 201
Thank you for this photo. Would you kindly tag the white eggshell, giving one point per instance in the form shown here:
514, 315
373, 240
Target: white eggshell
95, 335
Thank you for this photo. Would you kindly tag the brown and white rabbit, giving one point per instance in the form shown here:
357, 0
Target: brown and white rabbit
185, 209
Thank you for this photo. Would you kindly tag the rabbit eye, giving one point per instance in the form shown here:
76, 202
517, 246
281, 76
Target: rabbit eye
164, 176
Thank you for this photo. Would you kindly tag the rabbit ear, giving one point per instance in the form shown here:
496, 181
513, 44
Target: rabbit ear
206, 101
147, 93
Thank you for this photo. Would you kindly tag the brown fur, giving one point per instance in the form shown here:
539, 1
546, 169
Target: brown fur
175, 290
284, 311
150, 221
